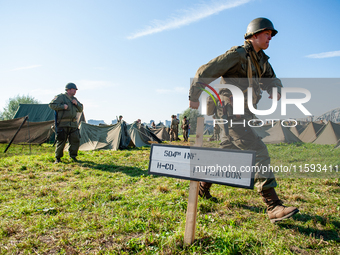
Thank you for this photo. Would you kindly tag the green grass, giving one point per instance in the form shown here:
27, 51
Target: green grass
108, 204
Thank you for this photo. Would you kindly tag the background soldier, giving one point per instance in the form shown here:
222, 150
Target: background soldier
245, 66
185, 127
173, 128
66, 107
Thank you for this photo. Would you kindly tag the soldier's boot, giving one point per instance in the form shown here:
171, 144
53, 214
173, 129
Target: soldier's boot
74, 159
275, 208
57, 161
204, 191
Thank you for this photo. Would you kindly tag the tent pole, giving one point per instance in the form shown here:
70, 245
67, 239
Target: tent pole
16, 134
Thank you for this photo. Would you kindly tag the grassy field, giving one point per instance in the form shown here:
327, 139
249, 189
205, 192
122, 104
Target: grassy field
108, 204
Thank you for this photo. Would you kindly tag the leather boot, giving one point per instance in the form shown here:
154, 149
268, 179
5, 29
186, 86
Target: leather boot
275, 208
204, 191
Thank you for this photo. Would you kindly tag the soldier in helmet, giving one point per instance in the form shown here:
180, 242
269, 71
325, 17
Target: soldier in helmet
66, 107
245, 66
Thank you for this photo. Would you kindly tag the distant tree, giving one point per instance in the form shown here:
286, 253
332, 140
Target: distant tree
1, 117
192, 115
13, 105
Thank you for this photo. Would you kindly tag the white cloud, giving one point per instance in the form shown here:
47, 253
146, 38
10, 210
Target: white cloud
191, 15
176, 90
329, 54
23, 68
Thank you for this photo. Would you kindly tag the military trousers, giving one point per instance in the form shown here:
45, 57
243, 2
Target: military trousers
185, 135
71, 135
173, 135
240, 136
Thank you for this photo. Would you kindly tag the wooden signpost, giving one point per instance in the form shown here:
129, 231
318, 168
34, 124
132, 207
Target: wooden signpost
226, 167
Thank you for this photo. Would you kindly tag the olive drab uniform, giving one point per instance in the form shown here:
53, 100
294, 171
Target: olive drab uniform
240, 66
67, 126
174, 129
185, 127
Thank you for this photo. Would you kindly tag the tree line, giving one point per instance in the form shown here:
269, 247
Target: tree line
12, 106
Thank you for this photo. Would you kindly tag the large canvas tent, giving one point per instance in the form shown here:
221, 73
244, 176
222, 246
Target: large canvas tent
30, 132
311, 132
113, 137
329, 135
160, 124
141, 135
40, 112
163, 133
104, 137
276, 134
297, 130
35, 112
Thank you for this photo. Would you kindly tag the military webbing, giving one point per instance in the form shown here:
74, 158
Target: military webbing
252, 58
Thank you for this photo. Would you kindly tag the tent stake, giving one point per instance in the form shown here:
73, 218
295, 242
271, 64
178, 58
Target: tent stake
16, 134
190, 224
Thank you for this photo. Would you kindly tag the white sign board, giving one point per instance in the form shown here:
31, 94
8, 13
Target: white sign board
227, 167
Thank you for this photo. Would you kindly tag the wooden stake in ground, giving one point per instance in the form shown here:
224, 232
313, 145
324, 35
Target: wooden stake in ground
190, 225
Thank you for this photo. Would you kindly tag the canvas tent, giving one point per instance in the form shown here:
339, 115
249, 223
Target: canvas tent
329, 135
40, 112
113, 137
104, 137
160, 124
276, 134
297, 130
141, 135
35, 112
311, 132
30, 132
163, 133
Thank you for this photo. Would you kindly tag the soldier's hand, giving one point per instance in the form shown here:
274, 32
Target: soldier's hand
194, 105
65, 106
74, 102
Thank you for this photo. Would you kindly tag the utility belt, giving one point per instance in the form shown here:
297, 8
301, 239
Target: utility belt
69, 120
63, 132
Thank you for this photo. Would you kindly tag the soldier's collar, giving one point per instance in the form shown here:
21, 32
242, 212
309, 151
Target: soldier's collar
249, 48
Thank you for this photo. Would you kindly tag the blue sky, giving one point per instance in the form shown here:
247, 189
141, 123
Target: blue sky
136, 58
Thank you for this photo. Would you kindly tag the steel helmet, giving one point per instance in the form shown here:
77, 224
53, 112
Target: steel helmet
70, 86
258, 25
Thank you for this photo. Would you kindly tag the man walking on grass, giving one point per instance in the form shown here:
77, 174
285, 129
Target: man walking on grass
245, 66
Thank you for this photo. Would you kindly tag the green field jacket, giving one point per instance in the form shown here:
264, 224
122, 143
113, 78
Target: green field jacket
232, 67
66, 118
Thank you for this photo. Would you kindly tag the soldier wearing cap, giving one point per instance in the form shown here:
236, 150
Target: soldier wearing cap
66, 107
245, 66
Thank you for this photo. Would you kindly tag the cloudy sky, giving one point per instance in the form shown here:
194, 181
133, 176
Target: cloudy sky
136, 58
